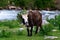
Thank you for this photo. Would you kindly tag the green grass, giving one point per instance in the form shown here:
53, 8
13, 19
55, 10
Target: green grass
4, 25
24, 36
9, 23
14, 37
34, 37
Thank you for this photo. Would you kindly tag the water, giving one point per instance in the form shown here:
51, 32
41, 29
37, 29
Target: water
11, 14
49, 14
8, 14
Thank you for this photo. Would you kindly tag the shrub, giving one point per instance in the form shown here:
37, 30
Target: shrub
55, 21
4, 33
19, 32
47, 29
10, 23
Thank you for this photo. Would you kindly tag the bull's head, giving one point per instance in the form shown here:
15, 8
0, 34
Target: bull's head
23, 19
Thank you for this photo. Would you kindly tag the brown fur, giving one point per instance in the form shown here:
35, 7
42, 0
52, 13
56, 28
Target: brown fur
34, 19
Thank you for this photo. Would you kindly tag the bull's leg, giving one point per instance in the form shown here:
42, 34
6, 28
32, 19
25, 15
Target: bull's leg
28, 31
36, 30
41, 27
31, 31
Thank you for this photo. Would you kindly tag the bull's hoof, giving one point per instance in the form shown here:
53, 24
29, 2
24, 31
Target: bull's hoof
35, 33
29, 35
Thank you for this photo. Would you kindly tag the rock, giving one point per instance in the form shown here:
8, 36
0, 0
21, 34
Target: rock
21, 29
50, 37
54, 30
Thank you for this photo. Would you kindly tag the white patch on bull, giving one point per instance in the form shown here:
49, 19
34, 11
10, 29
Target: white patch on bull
24, 16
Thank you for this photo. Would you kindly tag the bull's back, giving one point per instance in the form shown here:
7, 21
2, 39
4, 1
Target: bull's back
35, 18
